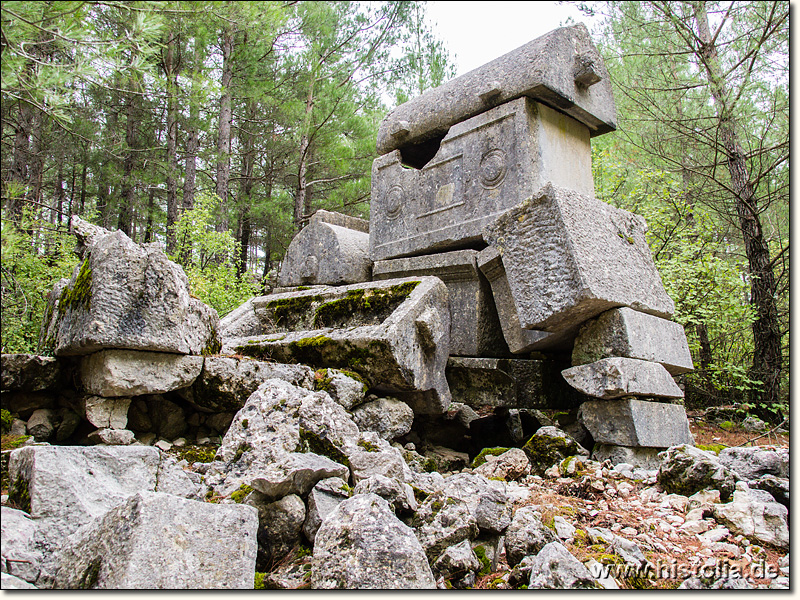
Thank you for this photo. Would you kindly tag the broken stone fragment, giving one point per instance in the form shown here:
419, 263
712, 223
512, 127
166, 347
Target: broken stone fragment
636, 423
610, 378
112, 437
296, 473
326, 252
474, 324
561, 68
628, 333
394, 334
324, 497
20, 556
387, 417
134, 546
28, 373
646, 458
569, 257
112, 373
106, 412
127, 296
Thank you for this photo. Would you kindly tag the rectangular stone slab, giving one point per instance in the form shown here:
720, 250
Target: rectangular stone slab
568, 257
474, 325
617, 377
632, 334
483, 167
561, 68
393, 333
636, 423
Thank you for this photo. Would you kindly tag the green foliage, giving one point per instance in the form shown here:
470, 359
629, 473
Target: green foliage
6, 418
715, 448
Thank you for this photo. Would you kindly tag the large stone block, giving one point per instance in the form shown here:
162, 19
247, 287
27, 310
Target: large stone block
29, 373
161, 541
483, 167
636, 423
616, 377
113, 373
512, 383
395, 334
629, 333
562, 68
128, 296
474, 324
568, 257
329, 251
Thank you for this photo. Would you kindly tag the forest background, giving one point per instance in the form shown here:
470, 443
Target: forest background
218, 128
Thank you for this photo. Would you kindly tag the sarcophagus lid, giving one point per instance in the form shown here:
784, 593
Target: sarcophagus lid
562, 69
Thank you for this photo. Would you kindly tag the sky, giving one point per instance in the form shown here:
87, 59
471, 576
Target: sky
479, 31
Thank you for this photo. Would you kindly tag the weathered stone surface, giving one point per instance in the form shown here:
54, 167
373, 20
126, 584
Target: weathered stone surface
636, 423
106, 412
474, 324
128, 296
387, 417
610, 378
457, 561
646, 458
486, 501
754, 462
372, 455
398, 494
28, 373
240, 322
160, 541
686, 470
482, 167
346, 389
561, 68
510, 382
569, 257
526, 535
362, 545
20, 555
631, 334
509, 466
324, 497
295, 473
172, 479
225, 383
549, 446
280, 526
113, 373
748, 515
394, 334
42, 424
442, 521
519, 340
69, 486
555, 568
778, 487
112, 437
327, 254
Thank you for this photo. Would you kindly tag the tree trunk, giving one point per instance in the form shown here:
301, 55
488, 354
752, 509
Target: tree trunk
190, 167
19, 164
151, 208
224, 133
125, 220
246, 187
767, 358
171, 73
302, 197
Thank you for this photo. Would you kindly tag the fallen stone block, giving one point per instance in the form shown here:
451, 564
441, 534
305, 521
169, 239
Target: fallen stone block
42, 424
330, 250
296, 473
394, 334
127, 296
106, 412
610, 378
628, 333
324, 497
113, 373
646, 458
555, 568
474, 324
510, 382
636, 423
687, 470
280, 526
482, 167
160, 541
748, 515
29, 373
387, 417
112, 437
561, 68
363, 545
569, 257
526, 535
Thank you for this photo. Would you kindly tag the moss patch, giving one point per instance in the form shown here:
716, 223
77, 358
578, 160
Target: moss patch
545, 451
288, 313
370, 306
481, 458
213, 345
311, 442
241, 494
12, 442
201, 454
18, 494
715, 448
80, 295
6, 418
486, 564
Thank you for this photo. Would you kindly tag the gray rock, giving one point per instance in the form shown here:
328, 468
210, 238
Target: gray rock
754, 425
564, 530
219, 422
474, 324
486, 500
393, 333
457, 561
69, 422
20, 556
324, 253
86, 234
628, 551
627, 333
778, 487
28, 373
372, 455
397, 493
442, 521
526, 535
343, 388
646, 458
724, 583
611, 378
322, 500
42, 424
240, 322
280, 526
131, 297
172, 479
562, 68
106, 412
755, 462
362, 545
761, 522
555, 568
11, 582
18, 428
509, 466
569, 257
112, 437
113, 373
226, 382
549, 446
24, 403
160, 541
295, 473
387, 417
636, 423
686, 470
